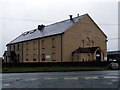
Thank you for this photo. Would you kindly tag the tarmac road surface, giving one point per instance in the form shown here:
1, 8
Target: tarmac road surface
78, 79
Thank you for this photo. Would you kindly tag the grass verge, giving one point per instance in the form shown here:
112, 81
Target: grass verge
48, 69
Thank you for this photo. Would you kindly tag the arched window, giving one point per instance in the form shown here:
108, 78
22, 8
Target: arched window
43, 57
83, 60
18, 46
18, 57
53, 43
26, 46
34, 56
14, 47
43, 44
88, 42
43, 50
88, 57
53, 57
92, 43
53, 49
34, 45
83, 43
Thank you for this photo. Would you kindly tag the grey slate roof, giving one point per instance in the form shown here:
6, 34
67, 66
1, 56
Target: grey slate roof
86, 50
53, 29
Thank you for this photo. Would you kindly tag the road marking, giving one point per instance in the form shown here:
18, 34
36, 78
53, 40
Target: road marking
91, 78
7, 84
114, 80
109, 83
31, 79
71, 78
50, 78
108, 77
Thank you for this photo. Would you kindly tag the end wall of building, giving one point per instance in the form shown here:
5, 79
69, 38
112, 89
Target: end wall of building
84, 33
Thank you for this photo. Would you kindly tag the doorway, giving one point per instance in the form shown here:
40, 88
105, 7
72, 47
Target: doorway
98, 55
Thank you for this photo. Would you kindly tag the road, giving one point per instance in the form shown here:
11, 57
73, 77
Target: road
81, 79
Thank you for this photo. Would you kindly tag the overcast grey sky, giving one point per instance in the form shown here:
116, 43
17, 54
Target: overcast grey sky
17, 16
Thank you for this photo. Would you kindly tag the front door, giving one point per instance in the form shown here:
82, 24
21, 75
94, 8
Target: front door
98, 55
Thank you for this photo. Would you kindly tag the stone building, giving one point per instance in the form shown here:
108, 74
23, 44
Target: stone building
113, 56
76, 39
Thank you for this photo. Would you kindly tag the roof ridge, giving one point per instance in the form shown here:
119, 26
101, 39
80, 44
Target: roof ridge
60, 21
51, 24
57, 22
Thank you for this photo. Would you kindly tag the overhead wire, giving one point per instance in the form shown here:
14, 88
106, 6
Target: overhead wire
53, 21
45, 20
24, 19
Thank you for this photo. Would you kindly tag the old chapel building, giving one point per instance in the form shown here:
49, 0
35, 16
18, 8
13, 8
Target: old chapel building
73, 40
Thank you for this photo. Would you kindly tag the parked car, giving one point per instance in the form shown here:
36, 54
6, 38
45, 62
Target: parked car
113, 66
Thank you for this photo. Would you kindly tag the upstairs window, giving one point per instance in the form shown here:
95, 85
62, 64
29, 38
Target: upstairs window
43, 44
13, 47
9, 48
34, 56
18, 57
34, 45
26, 46
88, 42
53, 43
18, 46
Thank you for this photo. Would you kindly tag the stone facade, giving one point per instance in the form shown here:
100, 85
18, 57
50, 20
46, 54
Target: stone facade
58, 48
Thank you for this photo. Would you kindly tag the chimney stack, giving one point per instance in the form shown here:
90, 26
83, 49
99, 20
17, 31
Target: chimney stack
40, 27
71, 17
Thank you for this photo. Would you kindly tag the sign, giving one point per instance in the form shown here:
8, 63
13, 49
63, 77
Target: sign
48, 56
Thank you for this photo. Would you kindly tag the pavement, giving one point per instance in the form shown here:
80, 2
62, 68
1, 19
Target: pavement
78, 79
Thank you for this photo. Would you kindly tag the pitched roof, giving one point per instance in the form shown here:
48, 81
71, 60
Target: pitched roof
86, 50
53, 29
49, 30
9, 53
113, 52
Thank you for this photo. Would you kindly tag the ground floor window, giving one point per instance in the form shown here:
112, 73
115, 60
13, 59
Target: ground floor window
88, 57
43, 57
34, 59
18, 57
53, 57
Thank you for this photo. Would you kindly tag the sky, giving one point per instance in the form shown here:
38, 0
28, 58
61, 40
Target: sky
18, 16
